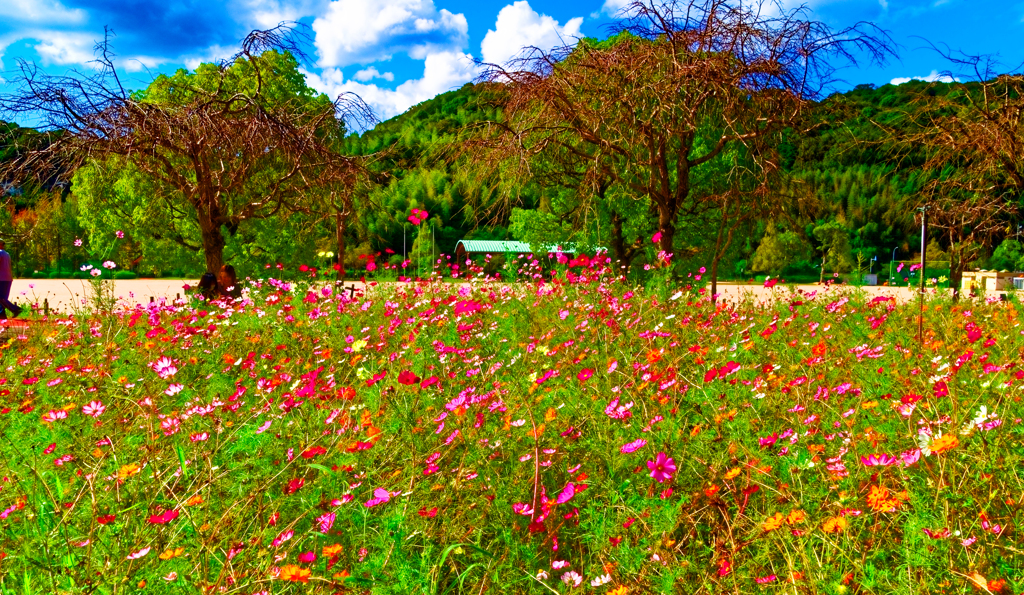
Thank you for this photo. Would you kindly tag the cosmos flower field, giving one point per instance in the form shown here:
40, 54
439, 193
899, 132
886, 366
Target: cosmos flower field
567, 435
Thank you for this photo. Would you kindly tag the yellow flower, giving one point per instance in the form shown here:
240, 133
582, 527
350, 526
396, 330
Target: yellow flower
620, 590
332, 550
732, 473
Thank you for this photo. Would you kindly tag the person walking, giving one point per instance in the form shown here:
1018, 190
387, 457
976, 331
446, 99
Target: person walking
6, 279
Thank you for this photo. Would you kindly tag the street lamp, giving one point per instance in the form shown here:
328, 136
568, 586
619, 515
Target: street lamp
890, 264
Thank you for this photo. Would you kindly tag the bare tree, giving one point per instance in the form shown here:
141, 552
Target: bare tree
680, 85
222, 147
973, 132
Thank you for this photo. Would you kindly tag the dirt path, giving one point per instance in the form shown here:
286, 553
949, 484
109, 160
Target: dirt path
69, 295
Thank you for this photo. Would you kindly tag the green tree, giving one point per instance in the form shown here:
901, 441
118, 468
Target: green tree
779, 250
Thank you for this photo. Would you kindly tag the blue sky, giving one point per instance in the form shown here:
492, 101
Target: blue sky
396, 53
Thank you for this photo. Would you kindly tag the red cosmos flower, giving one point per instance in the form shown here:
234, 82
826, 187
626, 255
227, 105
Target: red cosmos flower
407, 378
423, 512
377, 378
294, 485
106, 519
164, 517
585, 374
313, 451
430, 382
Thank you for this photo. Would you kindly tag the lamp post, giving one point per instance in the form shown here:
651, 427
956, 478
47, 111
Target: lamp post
924, 249
890, 264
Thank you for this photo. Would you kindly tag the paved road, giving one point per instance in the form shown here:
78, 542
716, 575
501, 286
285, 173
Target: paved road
67, 295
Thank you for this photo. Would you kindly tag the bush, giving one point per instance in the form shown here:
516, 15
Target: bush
125, 275
39, 275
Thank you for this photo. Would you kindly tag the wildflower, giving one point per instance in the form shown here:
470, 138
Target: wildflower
773, 522
78, 242
631, 447
291, 572
164, 517
128, 470
572, 578
944, 443
662, 467
171, 553
109, 264
834, 525
138, 554
119, 234
307, 557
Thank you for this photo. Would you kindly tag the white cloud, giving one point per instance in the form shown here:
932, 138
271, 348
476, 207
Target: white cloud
520, 26
368, 74
45, 12
614, 7
265, 14
364, 31
931, 78
442, 71
63, 47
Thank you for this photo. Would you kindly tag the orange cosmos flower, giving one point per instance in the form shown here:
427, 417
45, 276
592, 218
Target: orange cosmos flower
128, 470
944, 443
797, 516
291, 572
834, 525
773, 522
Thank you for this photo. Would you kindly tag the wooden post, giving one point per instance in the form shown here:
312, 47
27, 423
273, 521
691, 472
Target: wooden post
46, 308
351, 291
151, 299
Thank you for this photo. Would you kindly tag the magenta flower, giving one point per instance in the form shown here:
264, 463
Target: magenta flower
633, 446
307, 557
662, 467
585, 374
876, 459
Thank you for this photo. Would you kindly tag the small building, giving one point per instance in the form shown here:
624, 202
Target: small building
987, 281
468, 247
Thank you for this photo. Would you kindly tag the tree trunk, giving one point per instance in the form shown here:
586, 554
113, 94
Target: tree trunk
623, 254
213, 243
667, 228
339, 226
956, 271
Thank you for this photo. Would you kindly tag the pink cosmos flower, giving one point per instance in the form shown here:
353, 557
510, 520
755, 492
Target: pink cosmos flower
119, 234
879, 459
662, 467
631, 447
656, 237
380, 496
307, 557
165, 368
138, 554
